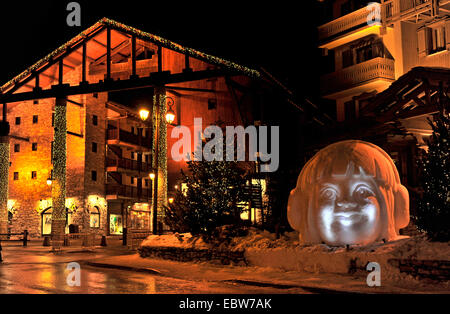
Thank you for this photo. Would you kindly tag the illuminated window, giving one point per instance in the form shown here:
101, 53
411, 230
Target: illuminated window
16, 148
17, 120
16, 176
34, 147
33, 175
35, 119
95, 217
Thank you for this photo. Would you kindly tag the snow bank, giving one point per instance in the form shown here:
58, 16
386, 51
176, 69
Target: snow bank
179, 240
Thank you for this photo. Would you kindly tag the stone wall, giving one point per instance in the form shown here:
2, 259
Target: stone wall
224, 257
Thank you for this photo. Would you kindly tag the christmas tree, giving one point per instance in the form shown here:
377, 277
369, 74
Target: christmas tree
210, 197
433, 212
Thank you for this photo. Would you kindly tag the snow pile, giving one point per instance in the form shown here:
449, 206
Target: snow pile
179, 240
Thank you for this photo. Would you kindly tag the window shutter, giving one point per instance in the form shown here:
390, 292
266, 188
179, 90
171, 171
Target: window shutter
447, 34
422, 43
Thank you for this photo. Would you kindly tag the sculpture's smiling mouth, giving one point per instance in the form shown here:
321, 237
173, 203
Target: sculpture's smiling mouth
348, 218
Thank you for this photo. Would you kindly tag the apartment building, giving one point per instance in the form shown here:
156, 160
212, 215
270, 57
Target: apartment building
388, 70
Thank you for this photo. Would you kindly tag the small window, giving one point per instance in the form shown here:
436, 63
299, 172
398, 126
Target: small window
132, 155
94, 147
212, 103
34, 147
35, 102
35, 119
132, 180
16, 176
95, 95
94, 120
146, 182
17, 120
33, 175
16, 148
94, 175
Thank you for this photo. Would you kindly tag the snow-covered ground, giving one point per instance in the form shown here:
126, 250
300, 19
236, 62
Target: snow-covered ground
262, 249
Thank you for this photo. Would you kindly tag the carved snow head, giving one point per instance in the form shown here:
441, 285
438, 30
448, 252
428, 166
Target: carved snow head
349, 193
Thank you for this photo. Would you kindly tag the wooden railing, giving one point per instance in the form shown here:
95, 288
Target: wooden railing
357, 74
344, 23
128, 137
127, 191
128, 164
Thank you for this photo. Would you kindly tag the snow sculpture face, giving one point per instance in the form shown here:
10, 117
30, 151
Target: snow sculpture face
349, 193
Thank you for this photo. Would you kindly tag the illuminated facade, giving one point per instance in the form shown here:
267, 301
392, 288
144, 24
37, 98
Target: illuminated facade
386, 73
107, 75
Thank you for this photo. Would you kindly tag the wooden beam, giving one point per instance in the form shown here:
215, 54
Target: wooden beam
108, 53
83, 62
155, 79
54, 61
133, 56
159, 59
60, 71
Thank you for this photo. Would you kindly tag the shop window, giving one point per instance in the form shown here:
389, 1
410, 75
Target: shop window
140, 220
115, 224
46, 221
95, 217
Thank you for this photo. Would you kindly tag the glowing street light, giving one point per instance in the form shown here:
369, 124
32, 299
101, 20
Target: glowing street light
152, 176
170, 200
49, 181
144, 114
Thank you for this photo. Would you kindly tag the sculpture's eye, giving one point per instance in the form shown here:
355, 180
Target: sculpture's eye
328, 194
362, 192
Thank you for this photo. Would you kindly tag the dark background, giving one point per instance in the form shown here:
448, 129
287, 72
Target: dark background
278, 35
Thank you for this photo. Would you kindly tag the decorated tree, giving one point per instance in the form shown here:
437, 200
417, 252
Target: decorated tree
210, 197
433, 212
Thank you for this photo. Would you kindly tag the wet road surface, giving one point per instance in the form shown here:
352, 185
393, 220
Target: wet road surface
41, 272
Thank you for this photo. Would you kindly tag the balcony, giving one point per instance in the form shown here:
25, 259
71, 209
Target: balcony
126, 165
412, 10
118, 191
375, 74
121, 137
347, 28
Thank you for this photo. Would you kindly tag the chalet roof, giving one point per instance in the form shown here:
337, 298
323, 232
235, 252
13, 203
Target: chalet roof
125, 29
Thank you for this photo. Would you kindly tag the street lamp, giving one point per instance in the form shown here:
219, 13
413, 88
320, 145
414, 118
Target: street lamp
170, 115
144, 114
152, 176
170, 200
49, 181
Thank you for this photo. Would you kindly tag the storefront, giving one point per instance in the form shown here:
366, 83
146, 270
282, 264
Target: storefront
46, 221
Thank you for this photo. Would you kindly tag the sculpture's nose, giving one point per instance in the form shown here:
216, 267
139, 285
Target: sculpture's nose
345, 205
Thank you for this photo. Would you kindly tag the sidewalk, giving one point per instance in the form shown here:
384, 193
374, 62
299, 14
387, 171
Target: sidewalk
258, 276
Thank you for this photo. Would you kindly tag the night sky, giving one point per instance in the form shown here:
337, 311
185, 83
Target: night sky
280, 35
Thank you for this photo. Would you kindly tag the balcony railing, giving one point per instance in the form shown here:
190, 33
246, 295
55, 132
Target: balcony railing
128, 137
377, 68
399, 9
128, 164
126, 191
343, 24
